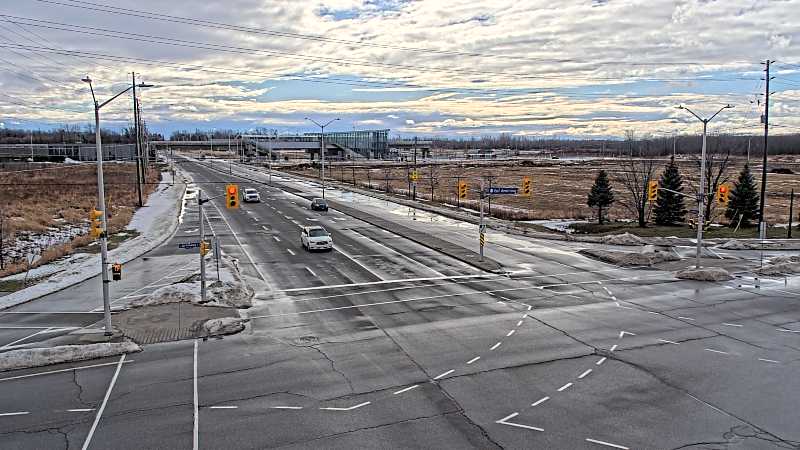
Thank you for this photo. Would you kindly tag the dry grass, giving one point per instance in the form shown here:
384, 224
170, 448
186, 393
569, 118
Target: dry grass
560, 187
35, 200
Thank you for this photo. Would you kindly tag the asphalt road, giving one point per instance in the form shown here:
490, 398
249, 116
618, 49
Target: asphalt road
383, 343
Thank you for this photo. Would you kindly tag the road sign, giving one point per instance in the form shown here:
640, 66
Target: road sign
482, 228
116, 271
502, 191
189, 245
413, 176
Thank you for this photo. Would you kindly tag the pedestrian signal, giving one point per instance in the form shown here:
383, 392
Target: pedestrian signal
462, 189
652, 191
527, 189
232, 196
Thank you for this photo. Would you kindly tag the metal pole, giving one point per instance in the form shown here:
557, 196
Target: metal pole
702, 198
480, 223
269, 150
101, 200
202, 240
791, 208
216, 255
322, 138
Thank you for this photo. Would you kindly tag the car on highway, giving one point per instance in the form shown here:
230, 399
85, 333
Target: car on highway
319, 204
316, 238
250, 195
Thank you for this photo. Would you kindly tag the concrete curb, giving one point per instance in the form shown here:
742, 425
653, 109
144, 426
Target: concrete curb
21, 297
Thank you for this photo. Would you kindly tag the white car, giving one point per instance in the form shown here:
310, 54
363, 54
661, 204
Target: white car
316, 238
250, 195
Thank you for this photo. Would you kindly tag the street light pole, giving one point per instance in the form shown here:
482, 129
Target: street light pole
322, 139
101, 203
701, 200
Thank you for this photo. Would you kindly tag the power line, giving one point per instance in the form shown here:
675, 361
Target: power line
85, 5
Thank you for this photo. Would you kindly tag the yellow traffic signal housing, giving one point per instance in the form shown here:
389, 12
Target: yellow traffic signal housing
723, 194
116, 271
232, 196
96, 223
203, 248
652, 191
462, 189
527, 189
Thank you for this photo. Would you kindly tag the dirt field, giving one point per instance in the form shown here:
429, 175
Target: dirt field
560, 188
33, 200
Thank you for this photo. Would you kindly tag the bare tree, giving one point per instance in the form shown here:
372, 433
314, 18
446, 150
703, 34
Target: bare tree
637, 170
718, 155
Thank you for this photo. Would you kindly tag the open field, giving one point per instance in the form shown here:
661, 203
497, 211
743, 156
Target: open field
57, 196
560, 187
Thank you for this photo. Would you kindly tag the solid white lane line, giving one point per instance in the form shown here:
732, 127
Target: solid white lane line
33, 328
669, 342
510, 333
406, 257
473, 360
358, 263
346, 409
442, 375
18, 413
286, 407
405, 390
277, 239
786, 330
607, 444
235, 237
519, 323
196, 430
223, 407
540, 401
103, 404
510, 416
311, 272
769, 360
290, 251
80, 410
716, 351
25, 338
62, 370
732, 324
495, 346
685, 318
623, 333
588, 371
600, 361
564, 387
503, 421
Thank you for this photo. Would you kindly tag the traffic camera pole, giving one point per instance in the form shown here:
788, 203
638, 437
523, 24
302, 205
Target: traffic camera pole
200, 202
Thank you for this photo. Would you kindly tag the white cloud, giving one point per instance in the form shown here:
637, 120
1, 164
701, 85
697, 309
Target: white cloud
409, 122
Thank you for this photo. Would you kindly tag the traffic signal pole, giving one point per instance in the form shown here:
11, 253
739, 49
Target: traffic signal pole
200, 202
101, 200
481, 226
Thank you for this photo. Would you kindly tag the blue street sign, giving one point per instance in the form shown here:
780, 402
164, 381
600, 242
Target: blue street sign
189, 245
501, 190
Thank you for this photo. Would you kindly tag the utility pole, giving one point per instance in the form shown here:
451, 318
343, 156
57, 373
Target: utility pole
200, 202
791, 211
701, 199
138, 146
762, 223
481, 226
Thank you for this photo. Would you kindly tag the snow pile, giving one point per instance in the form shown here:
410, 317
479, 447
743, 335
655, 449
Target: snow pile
734, 244
223, 326
622, 239
37, 357
620, 258
230, 291
781, 265
704, 274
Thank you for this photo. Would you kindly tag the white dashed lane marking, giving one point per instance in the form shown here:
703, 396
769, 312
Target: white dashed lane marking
442, 375
405, 390
494, 347
607, 444
290, 251
540, 401
473, 360
587, 372
565, 387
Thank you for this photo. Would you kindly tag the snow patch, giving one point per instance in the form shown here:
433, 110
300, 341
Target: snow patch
620, 258
734, 244
781, 265
704, 274
223, 326
37, 357
622, 239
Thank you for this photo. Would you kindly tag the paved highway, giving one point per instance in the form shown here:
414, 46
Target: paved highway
384, 343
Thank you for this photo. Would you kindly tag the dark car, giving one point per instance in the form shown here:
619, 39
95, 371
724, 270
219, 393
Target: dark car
319, 204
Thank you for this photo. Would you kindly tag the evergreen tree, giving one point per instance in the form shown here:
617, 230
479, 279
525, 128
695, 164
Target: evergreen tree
601, 195
743, 203
669, 208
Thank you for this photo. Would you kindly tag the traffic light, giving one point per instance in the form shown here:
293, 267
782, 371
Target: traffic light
203, 248
652, 191
527, 190
723, 194
462, 189
232, 196
96, 223
116, 271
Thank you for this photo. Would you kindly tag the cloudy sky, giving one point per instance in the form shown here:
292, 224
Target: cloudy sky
580, 68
